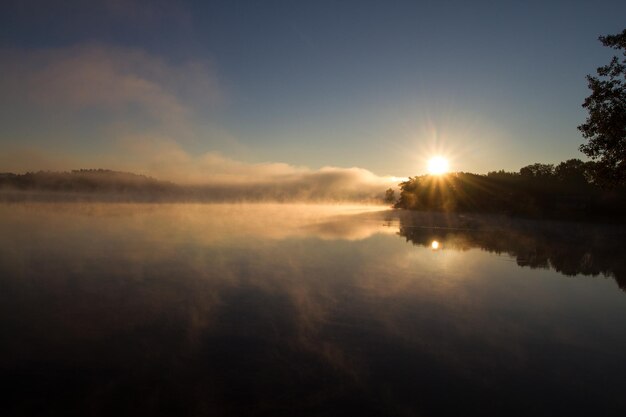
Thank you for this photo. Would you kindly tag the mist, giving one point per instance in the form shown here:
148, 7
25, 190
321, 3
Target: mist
256, 183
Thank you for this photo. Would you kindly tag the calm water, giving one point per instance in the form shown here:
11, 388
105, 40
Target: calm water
120, 309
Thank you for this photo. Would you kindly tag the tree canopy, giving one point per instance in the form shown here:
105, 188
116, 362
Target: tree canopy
567, 190
605, 127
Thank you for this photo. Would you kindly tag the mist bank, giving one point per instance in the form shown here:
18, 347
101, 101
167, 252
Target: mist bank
329, 185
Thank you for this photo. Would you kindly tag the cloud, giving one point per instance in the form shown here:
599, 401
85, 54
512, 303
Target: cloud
121, 86
166, 159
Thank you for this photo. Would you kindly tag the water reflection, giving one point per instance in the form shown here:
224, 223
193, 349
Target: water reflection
568, 248
293, 310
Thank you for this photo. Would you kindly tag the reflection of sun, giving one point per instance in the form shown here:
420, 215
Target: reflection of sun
437, 165
434, 245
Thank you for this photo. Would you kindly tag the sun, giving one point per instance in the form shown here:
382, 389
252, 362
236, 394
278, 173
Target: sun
438, 165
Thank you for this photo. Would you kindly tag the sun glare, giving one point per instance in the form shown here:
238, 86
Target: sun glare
437, 165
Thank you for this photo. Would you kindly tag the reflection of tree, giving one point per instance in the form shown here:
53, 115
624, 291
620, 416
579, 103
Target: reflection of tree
570, 249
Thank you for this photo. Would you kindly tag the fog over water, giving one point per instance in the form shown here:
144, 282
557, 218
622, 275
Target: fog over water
328, 184
293, 309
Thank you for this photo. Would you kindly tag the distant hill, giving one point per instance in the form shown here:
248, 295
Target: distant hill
91, 184
84, 180
108, 185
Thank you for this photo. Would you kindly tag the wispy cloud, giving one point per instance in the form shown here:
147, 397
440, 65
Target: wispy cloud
166, 159
122, 81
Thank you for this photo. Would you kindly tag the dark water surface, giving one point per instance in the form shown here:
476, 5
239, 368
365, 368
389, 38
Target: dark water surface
174, 309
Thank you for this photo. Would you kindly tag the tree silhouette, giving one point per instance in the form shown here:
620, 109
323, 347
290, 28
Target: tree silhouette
537, 170
573, 171
390, 195
567, 191
605, 127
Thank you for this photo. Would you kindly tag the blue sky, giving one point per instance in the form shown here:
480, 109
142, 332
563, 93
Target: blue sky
380, 85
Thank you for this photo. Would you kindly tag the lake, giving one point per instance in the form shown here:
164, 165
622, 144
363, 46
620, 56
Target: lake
278, 309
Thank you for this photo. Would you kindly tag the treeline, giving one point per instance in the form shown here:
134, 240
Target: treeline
84, 181
106, 185
571, 190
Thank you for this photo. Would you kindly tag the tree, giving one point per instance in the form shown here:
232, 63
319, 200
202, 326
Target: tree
390, 195
537, 171
573, 171
605, 127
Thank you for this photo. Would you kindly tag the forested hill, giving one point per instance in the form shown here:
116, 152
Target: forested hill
85, 181
107, 185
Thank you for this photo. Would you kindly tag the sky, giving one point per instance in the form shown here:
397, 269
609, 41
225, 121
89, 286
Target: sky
194, 91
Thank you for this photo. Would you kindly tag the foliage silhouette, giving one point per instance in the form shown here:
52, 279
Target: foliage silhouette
605, 127
390, 196
568, 190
